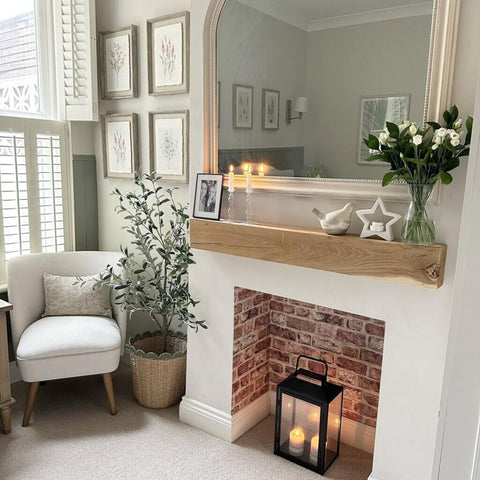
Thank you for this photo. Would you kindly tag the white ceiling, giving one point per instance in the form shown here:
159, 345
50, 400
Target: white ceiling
320, 14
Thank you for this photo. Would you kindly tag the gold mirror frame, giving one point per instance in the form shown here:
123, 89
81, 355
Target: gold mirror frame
443, 39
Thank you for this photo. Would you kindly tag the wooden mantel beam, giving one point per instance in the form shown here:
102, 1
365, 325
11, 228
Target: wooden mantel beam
422, 266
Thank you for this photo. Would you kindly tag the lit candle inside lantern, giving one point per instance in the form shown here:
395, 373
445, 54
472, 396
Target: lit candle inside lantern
297, 442
314, 450
248, 174
261, 171
231, 175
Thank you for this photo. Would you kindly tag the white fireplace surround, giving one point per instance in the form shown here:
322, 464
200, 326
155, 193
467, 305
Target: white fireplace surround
412, 369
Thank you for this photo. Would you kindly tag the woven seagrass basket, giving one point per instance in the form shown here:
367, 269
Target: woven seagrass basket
158, 378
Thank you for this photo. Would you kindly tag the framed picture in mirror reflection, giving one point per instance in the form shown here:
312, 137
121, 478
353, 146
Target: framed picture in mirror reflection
374, 113
242, 106
270, 114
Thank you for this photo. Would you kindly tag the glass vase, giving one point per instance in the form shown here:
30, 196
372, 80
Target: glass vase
418, 229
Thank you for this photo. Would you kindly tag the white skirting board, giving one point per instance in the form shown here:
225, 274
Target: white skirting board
223, 425
206, 418
355, 434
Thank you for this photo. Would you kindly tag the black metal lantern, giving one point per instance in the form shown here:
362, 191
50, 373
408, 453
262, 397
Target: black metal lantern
308, 418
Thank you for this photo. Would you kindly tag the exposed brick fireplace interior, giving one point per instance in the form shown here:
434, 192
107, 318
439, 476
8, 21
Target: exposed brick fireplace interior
270, 332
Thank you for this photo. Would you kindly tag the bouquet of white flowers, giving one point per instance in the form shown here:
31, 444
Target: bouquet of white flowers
420, 157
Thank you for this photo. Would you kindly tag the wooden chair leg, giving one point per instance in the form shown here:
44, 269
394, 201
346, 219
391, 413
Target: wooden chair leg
108, 382
6, 418
32, 394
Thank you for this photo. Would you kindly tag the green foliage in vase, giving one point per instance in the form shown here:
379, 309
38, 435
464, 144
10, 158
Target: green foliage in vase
422, 155
157, 267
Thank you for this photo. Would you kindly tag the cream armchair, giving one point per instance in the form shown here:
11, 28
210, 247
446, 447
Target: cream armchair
57, 347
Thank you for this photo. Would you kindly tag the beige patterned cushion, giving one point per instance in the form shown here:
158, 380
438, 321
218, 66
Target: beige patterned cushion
63, 297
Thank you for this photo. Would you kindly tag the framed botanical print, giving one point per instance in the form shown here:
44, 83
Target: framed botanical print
120, 145
374, 113
168, 40
169, 145
242, 106
270, 112
119, 63
208, 196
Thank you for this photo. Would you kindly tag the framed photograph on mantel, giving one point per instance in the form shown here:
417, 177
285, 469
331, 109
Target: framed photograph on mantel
242, 106
270, 113
208, 196
169, 145
120, 145
119, 63
168, 40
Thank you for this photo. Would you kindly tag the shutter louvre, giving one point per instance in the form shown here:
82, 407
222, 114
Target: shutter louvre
75, 23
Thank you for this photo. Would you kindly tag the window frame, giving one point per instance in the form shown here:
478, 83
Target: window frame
46, 67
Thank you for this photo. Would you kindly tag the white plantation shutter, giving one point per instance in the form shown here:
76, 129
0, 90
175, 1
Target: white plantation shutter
50, 192
14, 195
34, 189
77, 59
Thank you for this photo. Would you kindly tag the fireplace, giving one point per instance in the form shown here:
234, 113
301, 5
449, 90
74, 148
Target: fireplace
271, 331
413, 357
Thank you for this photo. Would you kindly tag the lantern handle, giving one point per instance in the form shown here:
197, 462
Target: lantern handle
315, 360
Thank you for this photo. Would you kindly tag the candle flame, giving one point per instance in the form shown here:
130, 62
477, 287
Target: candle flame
231, 168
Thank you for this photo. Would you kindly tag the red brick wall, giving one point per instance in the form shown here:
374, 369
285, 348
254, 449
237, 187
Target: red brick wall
270, 332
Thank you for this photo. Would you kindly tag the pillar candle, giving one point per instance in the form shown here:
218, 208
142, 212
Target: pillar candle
231, 182
248, 174
297, 442
314, 450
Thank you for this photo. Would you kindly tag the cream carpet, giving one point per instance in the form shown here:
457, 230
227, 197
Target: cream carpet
72, 436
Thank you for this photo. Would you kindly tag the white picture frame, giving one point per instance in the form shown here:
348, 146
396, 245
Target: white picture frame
208, 196
168, 49
270, 109
169, 132
242, 106
120, 145
119, 63
374, 113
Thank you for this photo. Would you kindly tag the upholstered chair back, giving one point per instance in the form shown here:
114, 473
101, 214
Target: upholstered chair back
25, 284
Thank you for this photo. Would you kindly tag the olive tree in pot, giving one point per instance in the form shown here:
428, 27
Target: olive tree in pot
156, 282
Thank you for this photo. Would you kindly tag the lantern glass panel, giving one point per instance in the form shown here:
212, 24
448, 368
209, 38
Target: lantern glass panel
333, 430
300, 423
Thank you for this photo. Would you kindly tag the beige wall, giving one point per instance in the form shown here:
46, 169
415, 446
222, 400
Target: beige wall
345, 64
111, 15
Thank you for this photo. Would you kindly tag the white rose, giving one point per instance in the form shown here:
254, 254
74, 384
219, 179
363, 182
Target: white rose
383, 138
417, 139
406, 123
434, 146
413, 130
438, 140
441, 132
452, 132
402, 127
455, 141
457, 124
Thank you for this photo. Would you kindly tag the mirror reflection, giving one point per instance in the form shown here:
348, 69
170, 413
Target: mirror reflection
301, 82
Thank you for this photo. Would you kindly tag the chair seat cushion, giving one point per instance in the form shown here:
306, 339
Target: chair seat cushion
68, 335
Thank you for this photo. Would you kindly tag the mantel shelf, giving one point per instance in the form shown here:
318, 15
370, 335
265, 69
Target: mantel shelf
422, 266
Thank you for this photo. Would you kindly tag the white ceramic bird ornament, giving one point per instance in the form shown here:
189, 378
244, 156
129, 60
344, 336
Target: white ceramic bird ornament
336, 222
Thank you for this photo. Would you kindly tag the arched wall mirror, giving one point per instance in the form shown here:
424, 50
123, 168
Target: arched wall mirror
292, 86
